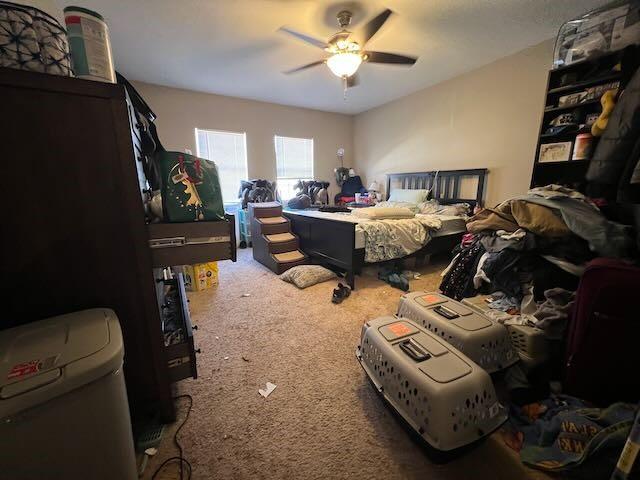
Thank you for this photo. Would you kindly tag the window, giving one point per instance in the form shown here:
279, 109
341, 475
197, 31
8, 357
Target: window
229, 151
294, 160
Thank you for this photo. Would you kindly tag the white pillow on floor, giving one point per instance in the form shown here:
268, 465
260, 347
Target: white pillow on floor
304, 276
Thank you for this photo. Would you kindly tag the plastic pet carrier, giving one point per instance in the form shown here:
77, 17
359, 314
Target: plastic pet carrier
529, 342
483, 341
439, 392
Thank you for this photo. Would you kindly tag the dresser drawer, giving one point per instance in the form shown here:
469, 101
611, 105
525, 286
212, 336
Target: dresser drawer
179, 347
188, 243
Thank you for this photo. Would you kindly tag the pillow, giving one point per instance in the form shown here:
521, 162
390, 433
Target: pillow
304, 276
455, 210
380, 213
407, 195
388, 204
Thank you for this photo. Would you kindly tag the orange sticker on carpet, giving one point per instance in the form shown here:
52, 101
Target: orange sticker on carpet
399, 329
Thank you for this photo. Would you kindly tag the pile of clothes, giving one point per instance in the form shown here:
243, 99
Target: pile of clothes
530, 251
310, 192
257, 191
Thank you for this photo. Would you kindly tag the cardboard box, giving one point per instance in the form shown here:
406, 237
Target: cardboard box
200, 276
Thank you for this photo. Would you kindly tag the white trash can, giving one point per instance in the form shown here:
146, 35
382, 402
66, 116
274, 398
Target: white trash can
63, 403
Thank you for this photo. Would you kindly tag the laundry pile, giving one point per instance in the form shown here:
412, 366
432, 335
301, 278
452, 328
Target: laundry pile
529, 252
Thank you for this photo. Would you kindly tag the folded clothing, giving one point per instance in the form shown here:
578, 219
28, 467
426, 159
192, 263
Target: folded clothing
380, 213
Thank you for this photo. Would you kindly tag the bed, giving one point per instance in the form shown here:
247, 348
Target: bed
337, 239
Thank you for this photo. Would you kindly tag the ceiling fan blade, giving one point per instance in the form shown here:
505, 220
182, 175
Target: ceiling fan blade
305, 38
384, 57
370, 29
353, 81
304, 67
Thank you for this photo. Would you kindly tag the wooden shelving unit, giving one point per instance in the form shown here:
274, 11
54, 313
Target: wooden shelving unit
79, 236
596, 71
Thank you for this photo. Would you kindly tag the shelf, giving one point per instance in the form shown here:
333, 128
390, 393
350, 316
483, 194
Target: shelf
571, 107
585, 84
587, 61
550, 137
566, 162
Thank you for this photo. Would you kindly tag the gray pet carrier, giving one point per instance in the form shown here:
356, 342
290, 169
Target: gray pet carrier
530, 342
483, 341
443, 395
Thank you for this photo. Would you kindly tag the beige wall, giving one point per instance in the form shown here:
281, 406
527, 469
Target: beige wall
181, 111
489, 117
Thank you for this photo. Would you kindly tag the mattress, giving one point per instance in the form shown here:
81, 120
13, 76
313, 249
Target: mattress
450, 224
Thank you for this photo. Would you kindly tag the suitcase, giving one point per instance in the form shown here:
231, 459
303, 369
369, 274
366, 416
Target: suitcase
485, 342
603, 333
439, 392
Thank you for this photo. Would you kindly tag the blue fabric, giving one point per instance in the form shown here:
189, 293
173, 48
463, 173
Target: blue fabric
570, 437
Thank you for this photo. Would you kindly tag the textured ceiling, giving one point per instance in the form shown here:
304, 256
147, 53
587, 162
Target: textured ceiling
232, 47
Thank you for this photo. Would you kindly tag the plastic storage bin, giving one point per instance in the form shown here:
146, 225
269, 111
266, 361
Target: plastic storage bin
483, 341
443, 395
63, 402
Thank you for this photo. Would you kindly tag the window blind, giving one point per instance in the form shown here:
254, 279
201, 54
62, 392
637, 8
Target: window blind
229, 151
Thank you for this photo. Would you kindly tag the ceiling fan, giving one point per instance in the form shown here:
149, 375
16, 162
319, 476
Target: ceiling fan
347, 49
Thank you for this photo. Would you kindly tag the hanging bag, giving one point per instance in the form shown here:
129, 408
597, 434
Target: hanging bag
190, 186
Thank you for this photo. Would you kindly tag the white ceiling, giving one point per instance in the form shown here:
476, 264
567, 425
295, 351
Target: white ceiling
232, 47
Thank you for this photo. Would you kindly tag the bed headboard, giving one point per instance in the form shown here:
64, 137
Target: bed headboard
446, 185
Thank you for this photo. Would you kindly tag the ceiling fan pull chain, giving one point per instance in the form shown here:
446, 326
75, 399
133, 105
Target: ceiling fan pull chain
344, 92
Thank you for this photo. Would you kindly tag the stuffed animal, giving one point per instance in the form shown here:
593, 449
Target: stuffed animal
608, 102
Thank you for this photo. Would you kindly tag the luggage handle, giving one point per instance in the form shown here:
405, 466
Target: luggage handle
445, 312
414, 350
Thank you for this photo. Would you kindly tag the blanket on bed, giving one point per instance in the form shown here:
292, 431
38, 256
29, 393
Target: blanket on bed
390, 239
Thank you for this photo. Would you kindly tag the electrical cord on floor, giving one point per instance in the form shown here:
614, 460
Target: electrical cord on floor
180, 458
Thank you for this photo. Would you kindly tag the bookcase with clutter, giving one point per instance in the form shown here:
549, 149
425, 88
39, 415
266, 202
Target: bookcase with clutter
594, 61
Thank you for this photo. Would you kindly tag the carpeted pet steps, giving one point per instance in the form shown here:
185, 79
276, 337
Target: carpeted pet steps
273, 243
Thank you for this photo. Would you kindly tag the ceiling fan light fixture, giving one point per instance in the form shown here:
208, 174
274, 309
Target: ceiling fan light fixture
344, 64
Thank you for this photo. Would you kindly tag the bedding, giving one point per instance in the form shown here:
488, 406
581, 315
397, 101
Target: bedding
432, 207
455, 209
391, 239
449, 224
382, 213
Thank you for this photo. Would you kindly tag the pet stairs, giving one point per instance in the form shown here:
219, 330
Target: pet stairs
273, 243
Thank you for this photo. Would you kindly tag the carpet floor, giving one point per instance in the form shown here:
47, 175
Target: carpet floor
324, 420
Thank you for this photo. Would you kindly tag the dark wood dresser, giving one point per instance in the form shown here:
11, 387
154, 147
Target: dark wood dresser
75, 232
